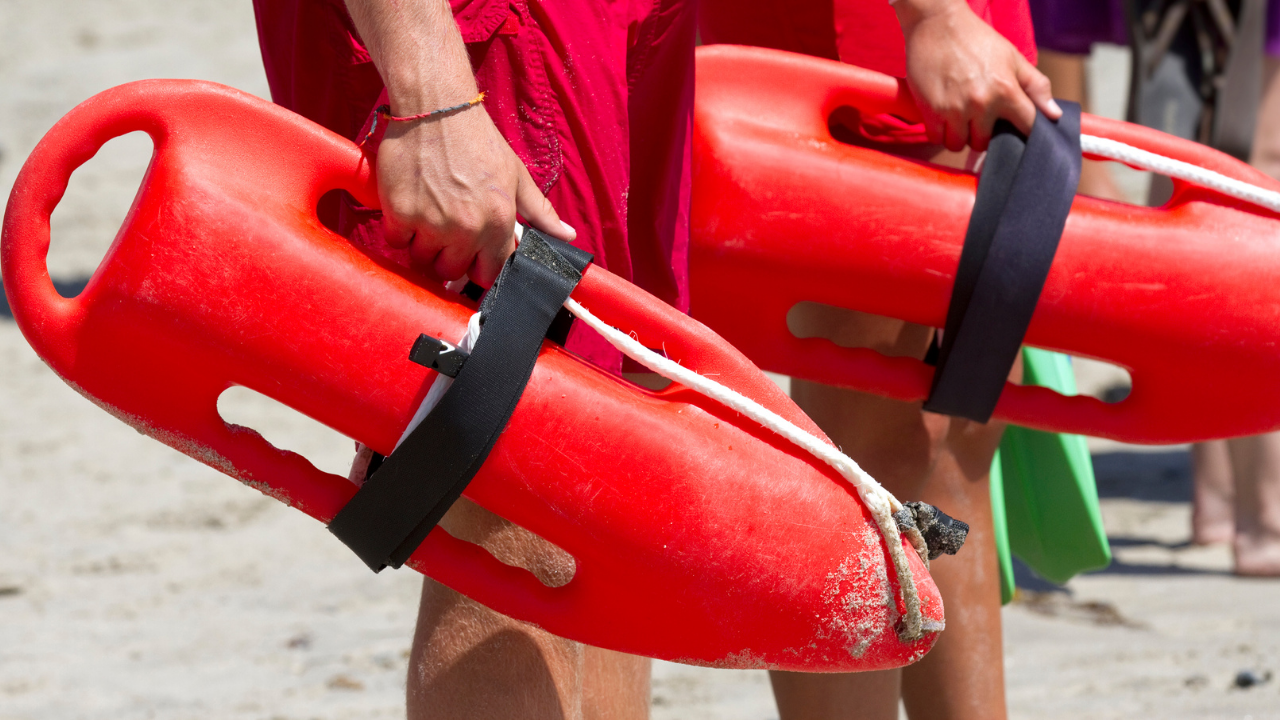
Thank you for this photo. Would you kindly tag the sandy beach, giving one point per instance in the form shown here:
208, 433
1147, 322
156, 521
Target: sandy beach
137, 583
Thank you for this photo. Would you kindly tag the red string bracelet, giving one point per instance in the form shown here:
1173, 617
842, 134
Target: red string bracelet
384, 111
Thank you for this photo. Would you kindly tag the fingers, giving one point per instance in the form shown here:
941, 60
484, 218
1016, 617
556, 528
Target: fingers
472, 243
956, 134
950, 130
453, 261
534, 206
1036, 87
1010, 101
486, 265
398, 233
980, 133
453, 202
1004, 104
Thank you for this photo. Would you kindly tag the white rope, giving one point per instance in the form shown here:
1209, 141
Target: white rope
879, 501
1144, 160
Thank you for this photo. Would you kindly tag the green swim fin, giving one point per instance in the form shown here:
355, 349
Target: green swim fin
1043, 494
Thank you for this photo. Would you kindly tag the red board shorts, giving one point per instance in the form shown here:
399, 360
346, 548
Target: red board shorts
595, 96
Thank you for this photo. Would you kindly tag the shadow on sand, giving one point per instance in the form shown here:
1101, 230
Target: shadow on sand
1162, 475
1154, 476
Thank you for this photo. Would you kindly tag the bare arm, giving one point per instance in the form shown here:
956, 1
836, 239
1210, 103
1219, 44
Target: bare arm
450, 186
965, 75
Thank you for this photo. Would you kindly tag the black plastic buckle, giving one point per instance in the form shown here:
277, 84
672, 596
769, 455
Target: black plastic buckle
436, 354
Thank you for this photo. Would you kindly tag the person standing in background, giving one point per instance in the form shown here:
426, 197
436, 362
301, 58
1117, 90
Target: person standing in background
1237, 482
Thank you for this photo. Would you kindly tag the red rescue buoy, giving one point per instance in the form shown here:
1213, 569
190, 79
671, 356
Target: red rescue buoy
1182, 296
697, 536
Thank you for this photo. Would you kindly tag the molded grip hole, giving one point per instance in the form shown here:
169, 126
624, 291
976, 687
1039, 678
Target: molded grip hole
898, 338
843, 123
1109, 383
852, 329
1105, 180
287, 429
509, 543
91, 212
338, 210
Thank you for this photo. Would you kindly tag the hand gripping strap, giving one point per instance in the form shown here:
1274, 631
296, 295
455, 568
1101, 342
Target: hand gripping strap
402, 501
1024, 196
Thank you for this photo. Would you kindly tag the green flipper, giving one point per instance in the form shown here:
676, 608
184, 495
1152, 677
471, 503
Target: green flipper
1044, 498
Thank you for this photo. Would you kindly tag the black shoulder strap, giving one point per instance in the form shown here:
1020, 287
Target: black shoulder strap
1024, 196
410, 491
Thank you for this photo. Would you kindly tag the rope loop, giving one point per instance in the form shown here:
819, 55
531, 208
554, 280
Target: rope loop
1159, 164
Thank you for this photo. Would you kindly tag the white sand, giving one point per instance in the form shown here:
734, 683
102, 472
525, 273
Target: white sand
136, 583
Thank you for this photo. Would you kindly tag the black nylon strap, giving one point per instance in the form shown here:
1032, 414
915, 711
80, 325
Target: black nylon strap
1024, 196
411, 490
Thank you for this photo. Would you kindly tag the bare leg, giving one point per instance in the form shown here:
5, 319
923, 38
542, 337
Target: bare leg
1266, 138
1211, 501
615, 685
468, 661
807, 696
916, 455
963, 676
1066, 74
1256, 461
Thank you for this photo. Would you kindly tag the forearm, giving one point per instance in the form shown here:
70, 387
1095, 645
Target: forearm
416, 46
911, 12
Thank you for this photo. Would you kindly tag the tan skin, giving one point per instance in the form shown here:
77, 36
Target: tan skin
940, 460
1237, 482
450, 191
1067, 73
450, 187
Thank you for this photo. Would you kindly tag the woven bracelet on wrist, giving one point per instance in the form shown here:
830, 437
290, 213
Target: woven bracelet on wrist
384, 112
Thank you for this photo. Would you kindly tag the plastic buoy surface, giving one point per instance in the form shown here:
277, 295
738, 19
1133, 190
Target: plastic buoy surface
696, 536
1183, 296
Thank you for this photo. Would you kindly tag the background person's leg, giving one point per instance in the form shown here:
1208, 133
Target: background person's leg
1066, 73
1212, 507
1256, 462
469, 662
1266, 138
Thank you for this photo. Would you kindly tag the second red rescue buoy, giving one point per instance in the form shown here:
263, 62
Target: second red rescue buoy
1182, 296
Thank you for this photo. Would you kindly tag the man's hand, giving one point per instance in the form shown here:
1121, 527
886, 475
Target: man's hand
450, 191
450, 186
965, 75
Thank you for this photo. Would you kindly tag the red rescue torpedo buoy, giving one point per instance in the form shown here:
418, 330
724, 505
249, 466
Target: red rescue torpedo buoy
1185, 296
698, 536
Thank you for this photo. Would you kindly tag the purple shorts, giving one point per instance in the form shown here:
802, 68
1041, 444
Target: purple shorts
1073, 26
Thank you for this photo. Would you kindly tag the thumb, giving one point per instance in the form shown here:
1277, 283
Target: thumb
1037, 87
536, 208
